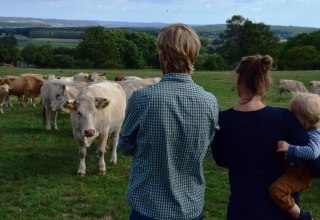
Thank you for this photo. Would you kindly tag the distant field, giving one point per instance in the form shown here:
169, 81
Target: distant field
54, 42
37, 167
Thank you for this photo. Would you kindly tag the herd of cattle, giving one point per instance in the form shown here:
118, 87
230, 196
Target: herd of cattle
96, 105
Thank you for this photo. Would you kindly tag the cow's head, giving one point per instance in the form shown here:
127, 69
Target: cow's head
59, 97
5, 88
83, 113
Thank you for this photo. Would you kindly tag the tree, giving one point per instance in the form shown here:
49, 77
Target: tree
301, 52
301, 58
211, 62
117, 48
100, 45
147, 50
9, 52
243, 37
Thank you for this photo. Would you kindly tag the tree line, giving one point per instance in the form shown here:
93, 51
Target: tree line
102, 47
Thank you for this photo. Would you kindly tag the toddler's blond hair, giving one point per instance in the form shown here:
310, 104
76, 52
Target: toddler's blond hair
306, 107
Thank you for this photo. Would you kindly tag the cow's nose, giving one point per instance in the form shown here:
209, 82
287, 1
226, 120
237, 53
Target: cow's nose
89, 132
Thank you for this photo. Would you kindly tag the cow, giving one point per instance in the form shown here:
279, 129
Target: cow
63, 78
123, 78
129, 86
314, 87
4, 93
51, 91
36, 75
92, 77
97, 111
9, 79
287, 85
64, 92
28, 87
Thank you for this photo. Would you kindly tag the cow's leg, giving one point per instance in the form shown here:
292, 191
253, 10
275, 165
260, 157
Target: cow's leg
55, 115
8, 102
23, 100
1, 109
115, 142
101, 149
33, 101
82, 164
47, 118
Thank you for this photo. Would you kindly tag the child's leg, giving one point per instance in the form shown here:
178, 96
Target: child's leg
296, 179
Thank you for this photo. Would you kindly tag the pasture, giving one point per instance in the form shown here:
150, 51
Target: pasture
38, 168
54, 42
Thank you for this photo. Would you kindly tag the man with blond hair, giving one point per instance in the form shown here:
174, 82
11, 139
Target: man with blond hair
167, 129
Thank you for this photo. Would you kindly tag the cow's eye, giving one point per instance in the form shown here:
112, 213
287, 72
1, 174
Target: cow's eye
58, 96
79, 114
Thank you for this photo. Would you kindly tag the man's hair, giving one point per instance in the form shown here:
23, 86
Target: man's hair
181, 45
306, 107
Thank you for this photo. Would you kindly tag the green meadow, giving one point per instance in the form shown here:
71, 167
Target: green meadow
38, 168
54, 42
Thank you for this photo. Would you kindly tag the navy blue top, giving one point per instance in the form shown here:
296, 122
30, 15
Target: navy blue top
246, 145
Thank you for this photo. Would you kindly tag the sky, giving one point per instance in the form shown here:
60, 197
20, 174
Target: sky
303, 13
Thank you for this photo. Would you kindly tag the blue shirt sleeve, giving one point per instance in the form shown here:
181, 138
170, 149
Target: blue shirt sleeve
128, 136
310, 152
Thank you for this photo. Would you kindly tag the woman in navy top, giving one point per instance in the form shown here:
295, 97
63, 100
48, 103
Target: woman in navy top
247, 141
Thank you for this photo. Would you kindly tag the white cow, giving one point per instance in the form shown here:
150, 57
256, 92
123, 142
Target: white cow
123, 78
97, 111
51, 91
129, 86
4, 94
288, 85
314, 87
92, 77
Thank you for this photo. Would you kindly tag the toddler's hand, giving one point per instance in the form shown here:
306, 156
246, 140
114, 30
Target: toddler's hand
282, 146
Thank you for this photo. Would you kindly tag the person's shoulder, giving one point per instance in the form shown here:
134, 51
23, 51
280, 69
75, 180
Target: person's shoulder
276, 110
209, 95
148, 90
226, 113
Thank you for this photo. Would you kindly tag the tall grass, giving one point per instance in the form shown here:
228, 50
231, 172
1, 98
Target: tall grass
38, 168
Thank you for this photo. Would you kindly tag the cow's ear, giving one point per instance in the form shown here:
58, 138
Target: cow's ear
101, 102
67, 106
65, 88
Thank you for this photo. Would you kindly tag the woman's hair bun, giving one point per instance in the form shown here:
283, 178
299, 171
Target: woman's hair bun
267, 61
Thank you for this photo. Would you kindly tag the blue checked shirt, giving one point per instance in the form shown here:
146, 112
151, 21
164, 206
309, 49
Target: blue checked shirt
167, 129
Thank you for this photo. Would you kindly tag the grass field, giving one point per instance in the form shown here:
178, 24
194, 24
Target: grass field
38, 167
54, 42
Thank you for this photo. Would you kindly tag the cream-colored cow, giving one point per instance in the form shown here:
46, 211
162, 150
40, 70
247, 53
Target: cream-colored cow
314, 87
129, 86
288, 85
97, 111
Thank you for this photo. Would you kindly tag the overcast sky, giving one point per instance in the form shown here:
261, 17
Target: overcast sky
303, 13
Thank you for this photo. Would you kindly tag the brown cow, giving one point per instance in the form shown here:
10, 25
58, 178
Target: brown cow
25, 87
